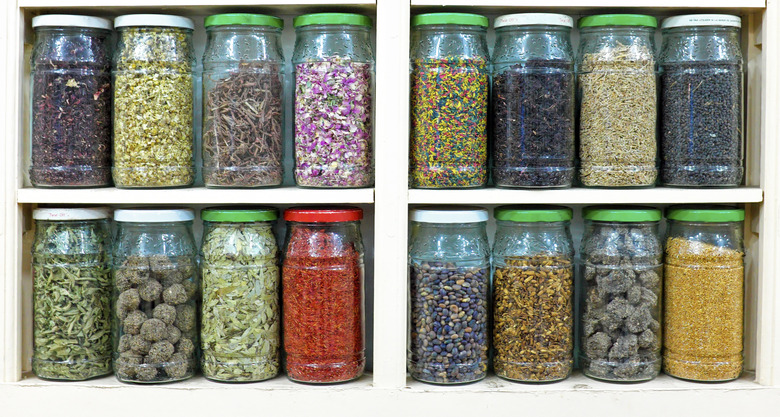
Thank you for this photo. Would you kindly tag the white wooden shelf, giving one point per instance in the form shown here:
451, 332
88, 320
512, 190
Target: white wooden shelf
187, 3
660, 195
706, 4
196, 195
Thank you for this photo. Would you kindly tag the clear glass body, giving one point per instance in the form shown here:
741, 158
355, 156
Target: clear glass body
156, 293
533, 99
704, 300
71, 266
616, 69
334, 106
449, 103
448, 318
240, 318
243, 106
533, 301
70, 108
153, 107
620, 332
702, 96
323, 306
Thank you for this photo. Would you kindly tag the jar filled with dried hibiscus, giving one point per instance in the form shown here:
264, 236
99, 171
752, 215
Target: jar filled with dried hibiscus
322, 287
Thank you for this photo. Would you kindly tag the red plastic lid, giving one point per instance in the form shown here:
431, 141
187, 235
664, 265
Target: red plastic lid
323, 214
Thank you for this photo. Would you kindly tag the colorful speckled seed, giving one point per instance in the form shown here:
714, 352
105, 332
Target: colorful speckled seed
449, 123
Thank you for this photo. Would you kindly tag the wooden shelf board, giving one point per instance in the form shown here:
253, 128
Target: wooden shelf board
660, 195
187, 3
690, 4
198, 195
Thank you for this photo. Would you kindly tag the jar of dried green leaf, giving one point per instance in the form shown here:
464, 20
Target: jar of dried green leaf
71, 294
240, 319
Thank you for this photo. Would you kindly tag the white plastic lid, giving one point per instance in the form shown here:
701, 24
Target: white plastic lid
702, 20
153, 215
154, 20
71, 20
462, 214
526, 19
62, 214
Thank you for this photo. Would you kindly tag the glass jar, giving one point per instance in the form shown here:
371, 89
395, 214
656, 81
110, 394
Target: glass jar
243, 99
533, 288
449, 262
322, 289
240, 317
153, 104
71, 267
620, 336
155, 295
449, 101
701, 101
703, 293
334, 101
533, 101
618, 101
70, 102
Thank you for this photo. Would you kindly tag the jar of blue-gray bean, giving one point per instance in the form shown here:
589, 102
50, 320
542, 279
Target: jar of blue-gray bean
449, 260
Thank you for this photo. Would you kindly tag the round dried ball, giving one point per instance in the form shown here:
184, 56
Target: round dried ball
121, 281
124, 343
139, 345
150, 290
178, 366
160, 352
133, 322
138, 277
174, 334
185, 346
185, 318
146, 372
165, 312
127, 365
175, 294
129, 300
190, 287
153, 330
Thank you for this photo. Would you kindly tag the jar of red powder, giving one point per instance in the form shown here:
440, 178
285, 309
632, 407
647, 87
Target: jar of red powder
322, 281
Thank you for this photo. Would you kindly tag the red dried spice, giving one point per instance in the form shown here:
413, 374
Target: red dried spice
322, 279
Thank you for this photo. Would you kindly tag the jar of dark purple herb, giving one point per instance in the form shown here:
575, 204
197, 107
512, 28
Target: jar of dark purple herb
334, 95
702, 96
243, 99
533, 101
71, 102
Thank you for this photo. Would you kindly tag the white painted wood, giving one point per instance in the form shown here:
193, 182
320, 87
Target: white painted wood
708, 4
186, 3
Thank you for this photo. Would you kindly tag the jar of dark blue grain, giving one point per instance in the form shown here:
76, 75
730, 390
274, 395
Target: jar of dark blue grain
449, 261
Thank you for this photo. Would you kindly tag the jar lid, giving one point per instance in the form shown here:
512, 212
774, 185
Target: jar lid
456, 214
153, 215
63, 214
532, 214
706, 214
625, 214
71, 20
533, 19
450, 19
332, 19
154, 20
618, 20
323, 214
702, 20
243, 19
239, 214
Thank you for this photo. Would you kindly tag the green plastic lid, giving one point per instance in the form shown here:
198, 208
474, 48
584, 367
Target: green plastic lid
248, 19
532, 214
450, 19
706, 214
618, 20
239, 214
626, 214
332, 19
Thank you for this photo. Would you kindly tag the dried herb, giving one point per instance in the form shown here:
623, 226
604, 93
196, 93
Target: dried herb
703, 305
242, 127
240, 323
618, 117
333, 126
449, 321
71, 300
702, 124
322, 278
449, 123
155, 324
71, 110
533, 125
533, 318
153, 108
